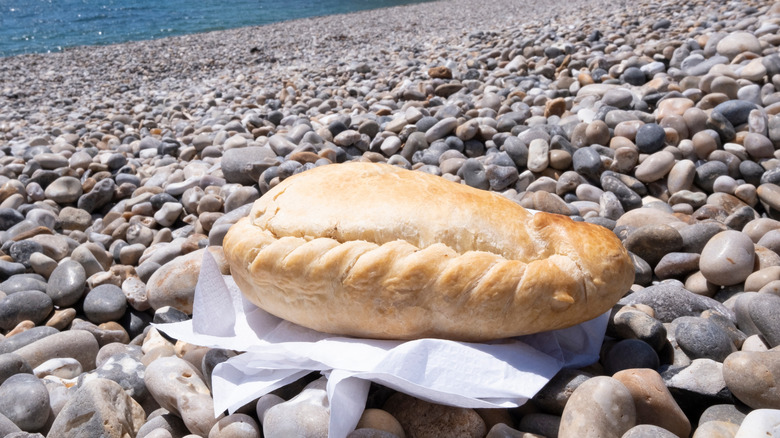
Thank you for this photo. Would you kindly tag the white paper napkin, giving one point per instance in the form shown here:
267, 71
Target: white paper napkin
500, 374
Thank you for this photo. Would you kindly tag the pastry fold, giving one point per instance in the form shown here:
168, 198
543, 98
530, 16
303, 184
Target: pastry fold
376, 251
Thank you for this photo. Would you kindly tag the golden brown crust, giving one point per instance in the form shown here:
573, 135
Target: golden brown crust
376, 251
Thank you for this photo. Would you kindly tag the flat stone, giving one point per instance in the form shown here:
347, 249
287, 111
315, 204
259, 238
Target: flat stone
64, 190
736, 43
602, 406
671, 301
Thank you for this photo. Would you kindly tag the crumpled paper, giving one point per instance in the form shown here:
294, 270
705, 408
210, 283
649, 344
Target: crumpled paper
499, 374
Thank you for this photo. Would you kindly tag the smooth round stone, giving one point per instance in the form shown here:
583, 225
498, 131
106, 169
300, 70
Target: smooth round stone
51, 161
760, 423
538, 155
66, 283
761, 278
653, 401
586, 161
235, 426
597, 132
29, 305
161, 419
771, 240
422, 418
653, 242
727, 258
105, 303
440, 129
64, 190
735, 111
670, 301
245, 165
758, 146
650, 138
99, 407
655, 167
702, 338
25, 401
8, 269
630, 353
763, 309
736, 43
602, 406
175, 384
752, 377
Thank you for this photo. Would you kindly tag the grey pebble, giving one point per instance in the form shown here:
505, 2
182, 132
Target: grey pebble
702, 338
66, 283
30, 305
25, 401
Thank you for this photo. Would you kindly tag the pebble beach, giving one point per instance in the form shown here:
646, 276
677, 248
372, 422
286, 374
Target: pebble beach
121, 165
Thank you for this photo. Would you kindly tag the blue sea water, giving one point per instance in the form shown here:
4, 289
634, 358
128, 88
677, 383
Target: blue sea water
35, 26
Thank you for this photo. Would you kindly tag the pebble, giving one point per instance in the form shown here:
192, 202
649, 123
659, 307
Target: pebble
105, 303
235, 426
654, 403
600, 407
25, 401
630, 353
66, 283
99, 408
26, 305
78, 344
750, 376
306, 414
727, 258
173, 284
702, 338
177, 387
761, 422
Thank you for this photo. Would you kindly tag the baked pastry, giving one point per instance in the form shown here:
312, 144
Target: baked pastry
376, 251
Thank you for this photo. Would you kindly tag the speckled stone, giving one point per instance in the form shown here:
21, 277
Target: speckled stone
600, 407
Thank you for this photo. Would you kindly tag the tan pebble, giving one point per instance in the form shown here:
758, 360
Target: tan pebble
554, 107
21, 327
753, 377
761, 278
699, 285
627, 129
673, 106
381, 420
754, 343
654, 403
716, 429
235, 426
62, 318
153, 340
